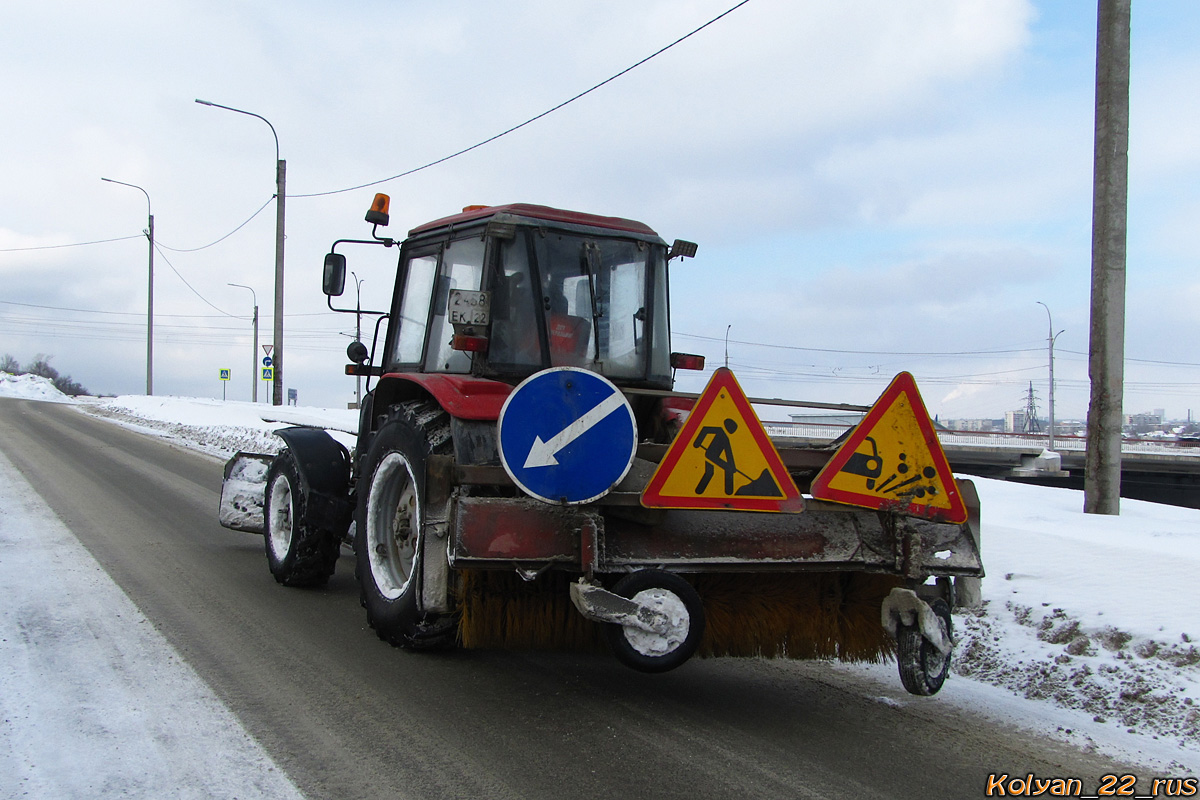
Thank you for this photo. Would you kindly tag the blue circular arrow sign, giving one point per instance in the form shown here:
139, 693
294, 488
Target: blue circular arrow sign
567, 436
267, 361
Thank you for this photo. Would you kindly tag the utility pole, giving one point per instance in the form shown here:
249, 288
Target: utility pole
1050, 342
1110, 191
254, 350
277, 329
280, 196
149, 288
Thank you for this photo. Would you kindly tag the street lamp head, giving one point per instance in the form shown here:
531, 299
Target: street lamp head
133, 186
244, 286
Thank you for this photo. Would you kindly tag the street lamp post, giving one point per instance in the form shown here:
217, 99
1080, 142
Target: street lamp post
280, 195
1050, 342
149, 290
254, 352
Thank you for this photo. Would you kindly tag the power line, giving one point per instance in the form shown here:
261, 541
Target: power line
226, 236
72, 244
545, 113
855, 352
193, 288
142, 314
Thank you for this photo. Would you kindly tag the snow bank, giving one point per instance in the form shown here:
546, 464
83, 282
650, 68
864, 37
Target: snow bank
221, 428
31, 387
95, 702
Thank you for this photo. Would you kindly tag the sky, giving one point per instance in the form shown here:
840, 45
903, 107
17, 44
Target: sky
874, 186
1053, 652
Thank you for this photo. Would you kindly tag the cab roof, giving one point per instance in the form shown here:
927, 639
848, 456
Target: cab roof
474, 213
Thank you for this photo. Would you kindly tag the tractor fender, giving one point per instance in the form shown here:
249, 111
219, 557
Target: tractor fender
325, 472
461, 396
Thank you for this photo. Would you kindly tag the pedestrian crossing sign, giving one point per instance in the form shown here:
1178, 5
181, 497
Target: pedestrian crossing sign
268, 373
893, 460
722, 458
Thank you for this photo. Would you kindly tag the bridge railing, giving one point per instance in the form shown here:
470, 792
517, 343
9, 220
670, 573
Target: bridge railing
1024, 441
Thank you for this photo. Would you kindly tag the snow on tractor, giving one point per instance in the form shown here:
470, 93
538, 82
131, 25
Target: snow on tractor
524, 470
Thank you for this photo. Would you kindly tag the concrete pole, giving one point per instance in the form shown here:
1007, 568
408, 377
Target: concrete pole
254, 359
149, 287
277, 337
1051, 336
1106, 361
150, 315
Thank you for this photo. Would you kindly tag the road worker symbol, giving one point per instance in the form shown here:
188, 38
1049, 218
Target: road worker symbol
722, 458
718, 452
894, 460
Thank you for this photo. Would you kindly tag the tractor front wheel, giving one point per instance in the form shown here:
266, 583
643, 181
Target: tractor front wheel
298, 553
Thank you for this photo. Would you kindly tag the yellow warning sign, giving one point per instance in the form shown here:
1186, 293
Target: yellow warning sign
722, 458
894, 460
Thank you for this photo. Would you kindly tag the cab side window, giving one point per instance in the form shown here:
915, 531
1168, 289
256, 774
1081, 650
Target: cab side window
419, 280
462, 268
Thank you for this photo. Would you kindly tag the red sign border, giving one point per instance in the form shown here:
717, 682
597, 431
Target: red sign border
903, 383
723, 378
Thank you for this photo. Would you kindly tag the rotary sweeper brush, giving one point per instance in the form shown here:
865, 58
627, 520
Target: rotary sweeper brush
525, 476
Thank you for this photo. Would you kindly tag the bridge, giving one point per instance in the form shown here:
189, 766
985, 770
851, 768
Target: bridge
1160, 471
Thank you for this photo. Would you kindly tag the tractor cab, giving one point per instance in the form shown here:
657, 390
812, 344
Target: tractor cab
502, 292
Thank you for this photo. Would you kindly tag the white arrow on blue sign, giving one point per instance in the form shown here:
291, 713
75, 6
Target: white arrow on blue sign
567, 436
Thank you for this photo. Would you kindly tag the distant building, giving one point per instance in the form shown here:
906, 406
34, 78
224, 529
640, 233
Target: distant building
974, 425
1014, 421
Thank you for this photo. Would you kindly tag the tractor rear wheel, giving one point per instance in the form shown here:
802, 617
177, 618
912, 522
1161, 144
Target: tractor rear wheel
671, 595
923, 668
390, 523
298, 553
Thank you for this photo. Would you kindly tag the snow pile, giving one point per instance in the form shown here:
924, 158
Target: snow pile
1089, 612
222, 428
31, 387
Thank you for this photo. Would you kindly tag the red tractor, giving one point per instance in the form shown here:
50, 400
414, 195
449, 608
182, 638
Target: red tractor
453, 547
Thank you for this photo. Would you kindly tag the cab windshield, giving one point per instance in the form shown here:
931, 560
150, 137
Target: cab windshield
568, 299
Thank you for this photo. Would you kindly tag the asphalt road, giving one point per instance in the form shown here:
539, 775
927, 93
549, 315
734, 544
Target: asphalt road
350, 717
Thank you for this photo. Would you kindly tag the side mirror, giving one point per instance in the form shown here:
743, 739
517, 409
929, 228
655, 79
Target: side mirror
357, 352
333, 281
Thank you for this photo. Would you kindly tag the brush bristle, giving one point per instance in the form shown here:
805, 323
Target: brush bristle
772, 615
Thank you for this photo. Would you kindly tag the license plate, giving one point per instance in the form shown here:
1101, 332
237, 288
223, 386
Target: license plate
469, 308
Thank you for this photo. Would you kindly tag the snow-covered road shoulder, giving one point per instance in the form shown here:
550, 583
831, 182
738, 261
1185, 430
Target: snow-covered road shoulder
93, 700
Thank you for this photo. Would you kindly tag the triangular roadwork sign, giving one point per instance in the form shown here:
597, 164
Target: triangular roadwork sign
893, 460
722, 458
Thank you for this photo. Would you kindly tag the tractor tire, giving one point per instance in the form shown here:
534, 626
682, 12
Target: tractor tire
298, 553
389, 522
923, 668
651, 652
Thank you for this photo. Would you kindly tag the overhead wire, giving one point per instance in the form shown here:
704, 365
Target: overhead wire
226, 236
71, 244
531, 120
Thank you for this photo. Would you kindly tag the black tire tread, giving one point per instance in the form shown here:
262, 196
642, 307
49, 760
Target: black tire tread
313, 554
913, 650
431, 423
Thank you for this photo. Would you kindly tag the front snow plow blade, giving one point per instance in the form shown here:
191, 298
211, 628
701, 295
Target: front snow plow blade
242, 491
